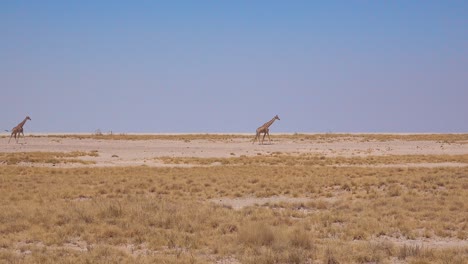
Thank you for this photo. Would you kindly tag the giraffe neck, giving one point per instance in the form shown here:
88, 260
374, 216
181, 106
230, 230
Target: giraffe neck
268, 124
20, 125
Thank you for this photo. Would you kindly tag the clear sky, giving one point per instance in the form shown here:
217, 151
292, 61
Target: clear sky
230, 66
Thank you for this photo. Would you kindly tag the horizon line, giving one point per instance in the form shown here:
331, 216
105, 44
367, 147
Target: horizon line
230, 133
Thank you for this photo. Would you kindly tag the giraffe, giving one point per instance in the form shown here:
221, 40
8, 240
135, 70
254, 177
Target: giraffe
18, 130
265, 130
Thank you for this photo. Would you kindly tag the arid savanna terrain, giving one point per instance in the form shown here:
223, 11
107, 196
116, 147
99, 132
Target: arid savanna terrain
218, 198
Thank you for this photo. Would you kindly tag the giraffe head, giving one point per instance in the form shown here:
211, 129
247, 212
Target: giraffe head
28, 118
276, 117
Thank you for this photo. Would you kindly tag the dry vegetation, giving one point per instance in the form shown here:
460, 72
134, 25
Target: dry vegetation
317, 160
165, 215
46, 157
181, 137
446, 138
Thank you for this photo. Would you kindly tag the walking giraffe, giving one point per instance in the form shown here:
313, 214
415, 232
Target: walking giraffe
265, 130
18, 130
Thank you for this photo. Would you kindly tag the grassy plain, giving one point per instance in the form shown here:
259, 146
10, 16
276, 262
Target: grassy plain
277, 158
356, 210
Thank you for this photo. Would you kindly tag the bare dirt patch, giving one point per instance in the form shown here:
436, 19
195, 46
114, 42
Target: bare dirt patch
145, 152
239, 203
436, 242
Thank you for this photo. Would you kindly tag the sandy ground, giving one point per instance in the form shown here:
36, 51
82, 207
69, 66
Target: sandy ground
146, 152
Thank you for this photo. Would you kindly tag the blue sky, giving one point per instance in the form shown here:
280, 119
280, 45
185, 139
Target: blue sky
230, 66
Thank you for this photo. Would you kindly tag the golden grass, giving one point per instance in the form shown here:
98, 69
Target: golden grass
175, 137
163, 215
446, 138
317, 160
12, 158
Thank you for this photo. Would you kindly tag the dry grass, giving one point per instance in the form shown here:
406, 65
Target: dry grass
180, 137
12, 158
446, 138
163, 215
317, 160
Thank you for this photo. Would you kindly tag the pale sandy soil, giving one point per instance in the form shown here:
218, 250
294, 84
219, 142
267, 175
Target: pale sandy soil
239, 203
433, 242
146, 152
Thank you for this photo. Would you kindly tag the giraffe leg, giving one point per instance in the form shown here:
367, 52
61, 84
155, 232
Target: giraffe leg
10, 138
264, 134
269, 139
257, 137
